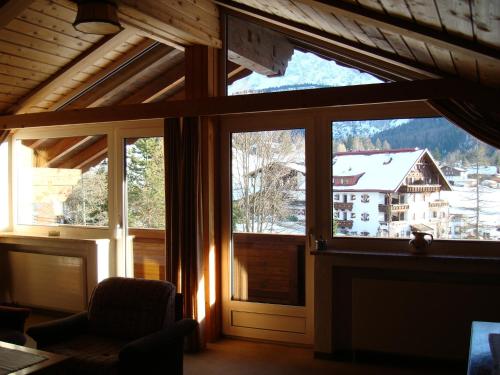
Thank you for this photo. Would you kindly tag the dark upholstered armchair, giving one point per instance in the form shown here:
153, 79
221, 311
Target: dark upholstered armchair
12, 321
132, 326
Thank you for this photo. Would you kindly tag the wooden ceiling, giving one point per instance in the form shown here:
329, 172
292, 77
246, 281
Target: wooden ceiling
46, 65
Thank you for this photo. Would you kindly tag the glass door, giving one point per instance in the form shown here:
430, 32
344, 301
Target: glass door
143, 202
266, 193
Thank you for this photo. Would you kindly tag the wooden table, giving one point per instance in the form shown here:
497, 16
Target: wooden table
481, 361
48, 362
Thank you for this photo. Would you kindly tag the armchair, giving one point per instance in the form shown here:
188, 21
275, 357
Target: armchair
12, 321
132, 326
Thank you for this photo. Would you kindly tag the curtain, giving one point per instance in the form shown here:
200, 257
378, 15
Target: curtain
184, 219
482, 123
3, 135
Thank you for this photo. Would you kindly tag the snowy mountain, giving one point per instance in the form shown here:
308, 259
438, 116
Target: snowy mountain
341, 130
305, 70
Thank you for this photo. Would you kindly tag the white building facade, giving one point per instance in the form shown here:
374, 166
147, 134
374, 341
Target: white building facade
388, 194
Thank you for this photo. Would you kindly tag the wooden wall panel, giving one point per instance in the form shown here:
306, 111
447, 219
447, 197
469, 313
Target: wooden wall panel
269, 268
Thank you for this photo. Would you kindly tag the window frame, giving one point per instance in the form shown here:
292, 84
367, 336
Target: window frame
324, 197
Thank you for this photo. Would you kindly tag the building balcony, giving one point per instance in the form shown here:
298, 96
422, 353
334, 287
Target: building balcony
420, 188
345, 223
342, 206
438, 204
401, 207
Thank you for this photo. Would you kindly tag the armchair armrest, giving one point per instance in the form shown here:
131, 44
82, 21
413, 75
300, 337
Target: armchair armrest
13, 317
158, 341
58, 330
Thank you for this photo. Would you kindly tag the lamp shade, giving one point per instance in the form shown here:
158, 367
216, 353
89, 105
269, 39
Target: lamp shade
97, 17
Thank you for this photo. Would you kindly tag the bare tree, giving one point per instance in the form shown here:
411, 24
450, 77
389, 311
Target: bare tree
267, 168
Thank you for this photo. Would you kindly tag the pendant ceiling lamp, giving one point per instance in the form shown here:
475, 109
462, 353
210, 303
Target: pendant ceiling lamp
97, 17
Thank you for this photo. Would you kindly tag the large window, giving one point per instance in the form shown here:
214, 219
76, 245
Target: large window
414, 175
62, 181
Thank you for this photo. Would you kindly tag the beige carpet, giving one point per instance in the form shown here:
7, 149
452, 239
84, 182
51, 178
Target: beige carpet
229, 356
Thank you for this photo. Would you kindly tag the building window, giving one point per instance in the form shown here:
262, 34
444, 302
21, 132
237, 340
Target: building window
353, 197
365, 198
353, 215
365, 216
336, 197
62, 181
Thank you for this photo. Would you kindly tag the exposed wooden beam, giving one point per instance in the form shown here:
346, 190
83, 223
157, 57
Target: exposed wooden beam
368, 56
151, 59
257, 48
170, 80
95, 151
11, 10
396, 92
64, 147
407, 28
102, 75
75, 67
167, 22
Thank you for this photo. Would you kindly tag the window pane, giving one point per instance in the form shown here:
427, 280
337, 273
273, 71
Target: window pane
404, 175
304, 71
145, 177
268, 178
63, 181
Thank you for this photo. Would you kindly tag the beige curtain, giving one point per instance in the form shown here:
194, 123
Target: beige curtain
184, 219
483, 123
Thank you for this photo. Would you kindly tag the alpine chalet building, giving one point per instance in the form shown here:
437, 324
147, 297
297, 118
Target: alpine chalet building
388, 193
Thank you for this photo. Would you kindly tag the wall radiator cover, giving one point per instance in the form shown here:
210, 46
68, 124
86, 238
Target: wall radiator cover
51, 282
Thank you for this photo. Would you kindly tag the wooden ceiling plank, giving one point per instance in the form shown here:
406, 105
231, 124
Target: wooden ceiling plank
75, 67
196, 14
41, 57
19, 82
316, 18
37, 44
51, 23
456, 17
101, 74
336, 97
167, 81
111, 88
152, 13
356, 30
16, 61
443, 60
41, 33
8, 98
425, 12
12, 90
92, 152
62, 148
365, 54
489, 74
207, 6
11, 10
399, 45
20, 72
420, 51
53, 9
466, 66
337, 25
486, 16
372, 4
411, 29
152, 29
396, 8
377, 37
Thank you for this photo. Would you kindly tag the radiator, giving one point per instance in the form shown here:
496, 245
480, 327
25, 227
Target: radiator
44, 281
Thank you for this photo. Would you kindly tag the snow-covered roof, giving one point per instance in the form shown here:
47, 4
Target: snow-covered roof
382, 171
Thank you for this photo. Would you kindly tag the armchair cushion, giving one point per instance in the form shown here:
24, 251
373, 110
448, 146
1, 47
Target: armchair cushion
90, 354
